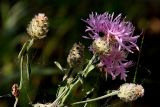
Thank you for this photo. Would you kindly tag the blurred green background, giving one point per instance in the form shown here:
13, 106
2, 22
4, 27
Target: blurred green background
66, 28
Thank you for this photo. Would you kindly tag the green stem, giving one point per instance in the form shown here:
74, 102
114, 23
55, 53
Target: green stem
85, 73
16, 102
30, 43
136, 70
28, 66
24, 71
70, 87
61, 95
96, 99
22, 50
21, 72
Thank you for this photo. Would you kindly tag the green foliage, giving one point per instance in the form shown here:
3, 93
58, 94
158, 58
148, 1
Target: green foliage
66, 27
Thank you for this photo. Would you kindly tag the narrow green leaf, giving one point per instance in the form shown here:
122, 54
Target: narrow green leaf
30, 43
58, 65
23, 49
91, 68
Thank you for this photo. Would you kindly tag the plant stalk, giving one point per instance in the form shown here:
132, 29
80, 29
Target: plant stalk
96, 99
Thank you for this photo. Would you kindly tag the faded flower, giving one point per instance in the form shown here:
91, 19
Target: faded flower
100, 46
130, 92
76, 55
38, 27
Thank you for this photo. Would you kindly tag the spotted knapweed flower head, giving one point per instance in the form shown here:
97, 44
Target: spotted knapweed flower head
38, 27
113, 29
130, 92
113, 38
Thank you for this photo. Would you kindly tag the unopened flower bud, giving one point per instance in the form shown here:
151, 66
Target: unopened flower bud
100, 46
130, 92
38, 27
15, 90
76, 55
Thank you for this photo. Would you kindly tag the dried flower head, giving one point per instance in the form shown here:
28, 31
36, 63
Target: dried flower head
15, 90
130, 92
38, 27
116, 29
76, 55
100, 46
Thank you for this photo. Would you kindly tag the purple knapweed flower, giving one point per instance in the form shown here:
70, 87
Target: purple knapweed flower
115, 30
115, 63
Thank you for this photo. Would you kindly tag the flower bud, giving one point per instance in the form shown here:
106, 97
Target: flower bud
100, 46
15, 90
38, 27
76, 55
130, 92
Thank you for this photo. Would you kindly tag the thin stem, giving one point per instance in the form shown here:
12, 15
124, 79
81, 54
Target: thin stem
27, 66
16, 102
68, 74
21, 72
22, 50
71, 87
60, 96
136, 70
96, 99
85, 73
30, 43
85, 105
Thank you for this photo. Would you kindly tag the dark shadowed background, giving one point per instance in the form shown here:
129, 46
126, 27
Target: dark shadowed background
66, 28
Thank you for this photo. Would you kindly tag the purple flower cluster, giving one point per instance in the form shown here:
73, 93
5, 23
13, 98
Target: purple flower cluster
115, 63
118, 34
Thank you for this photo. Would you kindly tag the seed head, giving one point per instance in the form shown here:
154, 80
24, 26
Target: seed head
76, 55
38, 27
100, 46
130, 92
